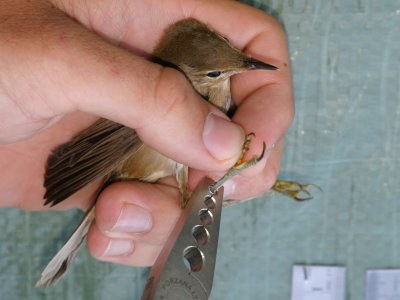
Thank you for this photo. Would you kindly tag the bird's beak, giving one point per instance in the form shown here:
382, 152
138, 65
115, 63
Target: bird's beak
254, 64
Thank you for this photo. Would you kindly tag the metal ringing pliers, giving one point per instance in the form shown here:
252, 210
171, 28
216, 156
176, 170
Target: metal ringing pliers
185, 267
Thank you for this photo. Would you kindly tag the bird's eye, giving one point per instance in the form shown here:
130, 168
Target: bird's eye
213, 74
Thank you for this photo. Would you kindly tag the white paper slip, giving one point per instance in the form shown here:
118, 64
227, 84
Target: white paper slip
383, 284
318, 283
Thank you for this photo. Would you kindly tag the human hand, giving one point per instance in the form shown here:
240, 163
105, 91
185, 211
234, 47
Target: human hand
82, 72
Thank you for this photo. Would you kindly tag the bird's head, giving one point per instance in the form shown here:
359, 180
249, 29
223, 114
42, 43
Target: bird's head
207, 59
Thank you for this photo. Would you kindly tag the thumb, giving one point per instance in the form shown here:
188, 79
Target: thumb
71, 68
163, 108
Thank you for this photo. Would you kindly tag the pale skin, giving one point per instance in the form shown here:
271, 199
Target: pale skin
59, 75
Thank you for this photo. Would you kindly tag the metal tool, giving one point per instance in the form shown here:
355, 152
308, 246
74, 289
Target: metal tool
185, 267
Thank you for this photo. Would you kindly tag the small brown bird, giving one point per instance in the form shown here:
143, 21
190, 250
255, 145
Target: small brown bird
114, 152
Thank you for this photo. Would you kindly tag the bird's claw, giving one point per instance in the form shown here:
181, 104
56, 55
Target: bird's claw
294, 190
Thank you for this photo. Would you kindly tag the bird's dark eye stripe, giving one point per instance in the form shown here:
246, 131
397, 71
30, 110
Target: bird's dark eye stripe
214, 74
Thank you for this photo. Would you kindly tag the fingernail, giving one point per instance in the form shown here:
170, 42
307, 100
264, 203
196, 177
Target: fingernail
119, 247
133, 219
229, 188
222, 138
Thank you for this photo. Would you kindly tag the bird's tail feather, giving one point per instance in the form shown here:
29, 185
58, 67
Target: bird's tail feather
61, 261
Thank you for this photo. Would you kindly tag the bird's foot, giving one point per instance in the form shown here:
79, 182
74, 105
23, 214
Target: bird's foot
240, 165
292, 189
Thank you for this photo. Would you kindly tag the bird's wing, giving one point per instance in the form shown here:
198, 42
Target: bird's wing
91, 155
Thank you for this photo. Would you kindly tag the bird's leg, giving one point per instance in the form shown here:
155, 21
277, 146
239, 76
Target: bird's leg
296, 191
240, 165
